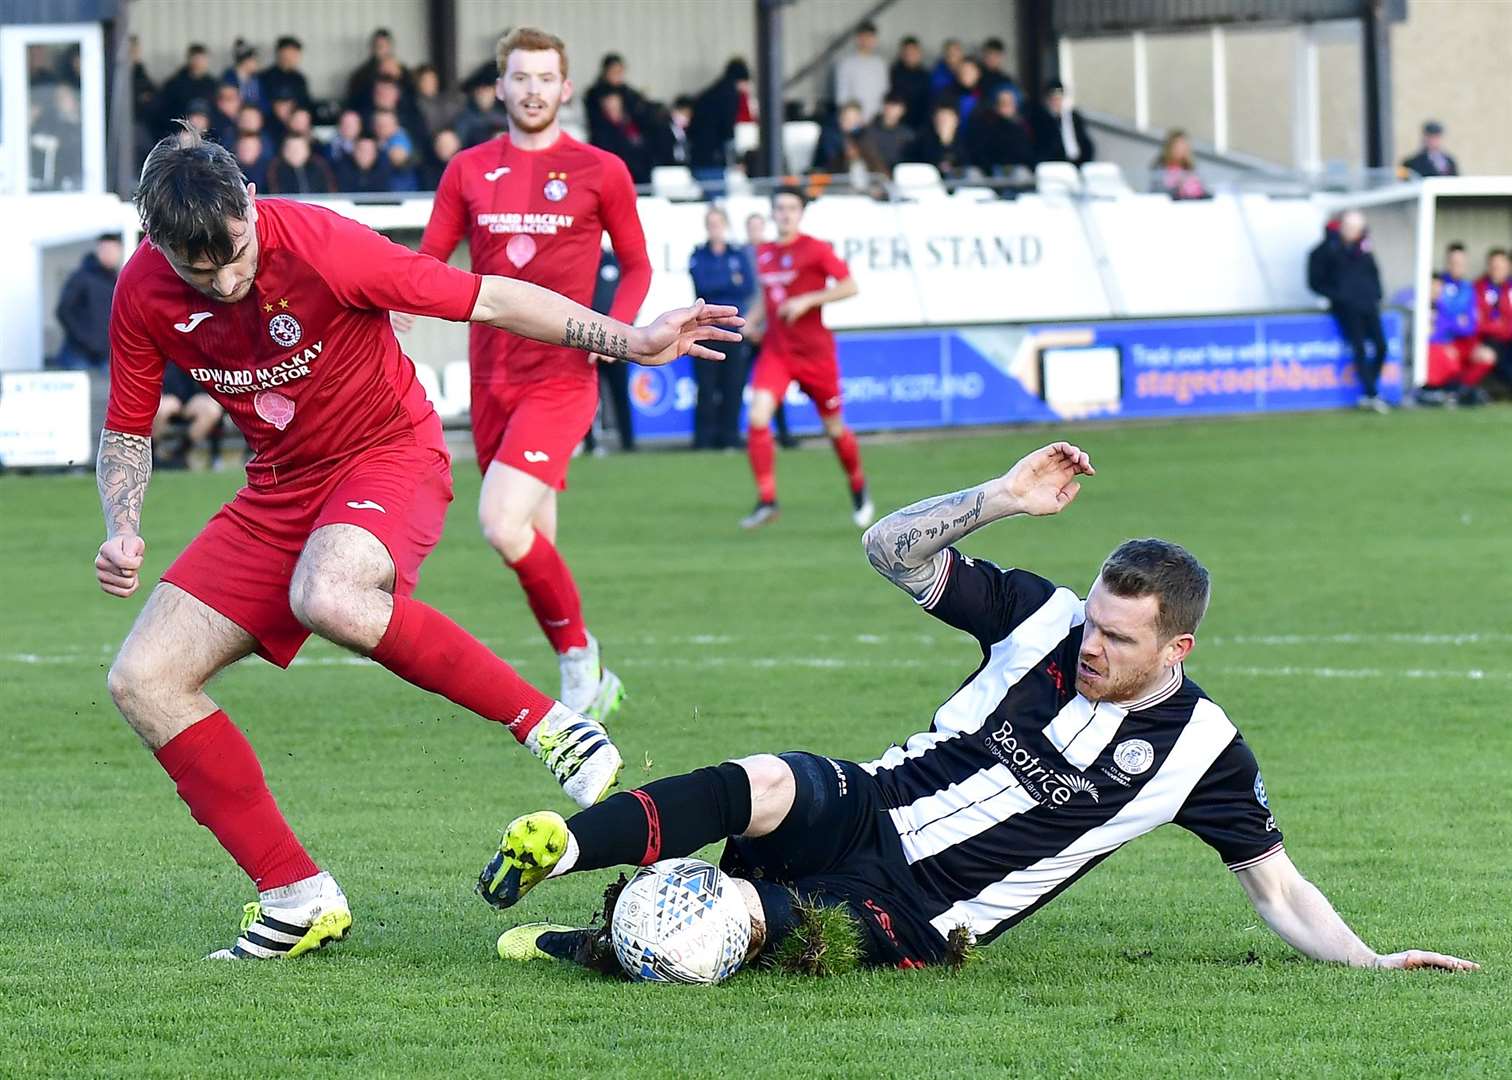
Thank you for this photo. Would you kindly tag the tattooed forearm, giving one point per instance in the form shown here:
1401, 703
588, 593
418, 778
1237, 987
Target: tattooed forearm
595, 337
906, 546
122, 469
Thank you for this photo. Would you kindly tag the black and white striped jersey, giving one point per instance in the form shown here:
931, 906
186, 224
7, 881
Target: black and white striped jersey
1021, 785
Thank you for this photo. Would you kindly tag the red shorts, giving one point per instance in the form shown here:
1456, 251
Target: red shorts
820, 379
241, 563
1454, 362
533, 426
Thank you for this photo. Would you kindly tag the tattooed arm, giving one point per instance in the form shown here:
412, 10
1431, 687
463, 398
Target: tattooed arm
122, 469
543, 315
908, 546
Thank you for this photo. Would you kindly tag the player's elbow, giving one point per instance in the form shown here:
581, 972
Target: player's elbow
874, 545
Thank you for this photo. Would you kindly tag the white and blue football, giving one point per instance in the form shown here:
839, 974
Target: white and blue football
681, 920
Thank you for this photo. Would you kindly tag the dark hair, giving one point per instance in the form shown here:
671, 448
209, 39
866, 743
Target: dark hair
868, 27
909, 40
190, 187
1494, 252
113, 237
795, 191
609, 60
1167, 571
1455, 246
993, 44
289, 41
894, 98
682, 101
421, 69
381, 32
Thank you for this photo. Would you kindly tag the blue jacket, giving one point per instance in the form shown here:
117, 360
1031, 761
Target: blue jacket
723, 279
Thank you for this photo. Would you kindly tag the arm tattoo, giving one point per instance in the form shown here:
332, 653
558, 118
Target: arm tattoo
906, 545
595, 337
122, 469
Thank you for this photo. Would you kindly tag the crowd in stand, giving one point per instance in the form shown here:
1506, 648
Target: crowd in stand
396, 127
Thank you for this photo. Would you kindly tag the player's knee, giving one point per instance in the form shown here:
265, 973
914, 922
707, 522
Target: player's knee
318, 602
772, 789
509, 536
136, 677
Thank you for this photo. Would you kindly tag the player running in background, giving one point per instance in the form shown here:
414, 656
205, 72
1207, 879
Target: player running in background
795, 274
533, 204
1078, 732
279, 310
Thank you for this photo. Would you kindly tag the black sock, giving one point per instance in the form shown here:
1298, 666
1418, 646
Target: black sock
663, 820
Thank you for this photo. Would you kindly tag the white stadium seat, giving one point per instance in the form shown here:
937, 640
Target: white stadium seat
747, 137
736, 182
918, 181
675, 182
1104, 180
1057, 178
973, 194
800, 138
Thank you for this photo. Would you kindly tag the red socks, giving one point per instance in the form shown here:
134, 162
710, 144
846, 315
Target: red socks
219, 777
849, 454
759, 447
552, 595
424, 647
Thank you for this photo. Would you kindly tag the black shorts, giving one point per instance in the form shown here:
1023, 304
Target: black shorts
838, 846
176, 381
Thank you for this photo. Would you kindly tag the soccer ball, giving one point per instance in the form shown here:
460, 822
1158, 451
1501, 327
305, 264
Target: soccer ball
681, 920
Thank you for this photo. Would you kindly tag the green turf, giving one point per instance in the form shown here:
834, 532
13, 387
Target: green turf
1339, 546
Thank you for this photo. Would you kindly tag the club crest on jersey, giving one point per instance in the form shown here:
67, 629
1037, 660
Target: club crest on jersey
556, 186
1260, 792
1134, 756
285, 330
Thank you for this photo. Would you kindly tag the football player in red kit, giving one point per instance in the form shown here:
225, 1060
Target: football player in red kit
279, 310
533, 204
795, 274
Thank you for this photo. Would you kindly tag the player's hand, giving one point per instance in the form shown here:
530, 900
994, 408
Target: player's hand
677, 333
794, 308
1045, 481
402, 321
117, 564
1413, 959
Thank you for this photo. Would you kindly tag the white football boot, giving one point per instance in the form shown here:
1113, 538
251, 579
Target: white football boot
291, 920
579, 753
588, 687
863, 511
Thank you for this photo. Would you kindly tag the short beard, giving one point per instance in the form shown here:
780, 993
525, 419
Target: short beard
1124, 689
520, 123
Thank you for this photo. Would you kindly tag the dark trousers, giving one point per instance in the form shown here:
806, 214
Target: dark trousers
1359, 325
721, 383
614, 388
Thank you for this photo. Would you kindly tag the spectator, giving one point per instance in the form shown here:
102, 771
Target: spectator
888, 138
944, 75
1493, 311
715, 112
633, 109
614, 379
398, 149
302, 123
283, 78
437, 108
756, 235
144, 94
1343, 271
722, 274
968, 89
1431, 159
668, 138
225, 122
359, 92
242, 73
388, 94
995, 76
862, 167
252, 156
185, 399
909, 81
942, 145
482, 119
1175, 170
348, 131
997, 141
849, 125
190, 83
84, 308
615, 132
298, 171
364, 170
861, 76
249, 121
278, 117
1060, 133
444, 147
197, 115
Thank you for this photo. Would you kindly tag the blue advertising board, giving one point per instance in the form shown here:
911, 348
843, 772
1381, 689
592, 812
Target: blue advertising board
950, 377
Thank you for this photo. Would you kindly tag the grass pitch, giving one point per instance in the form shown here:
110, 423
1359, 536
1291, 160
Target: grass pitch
1359, 636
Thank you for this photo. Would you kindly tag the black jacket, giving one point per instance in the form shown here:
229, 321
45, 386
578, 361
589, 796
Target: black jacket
314, 178
84, 308
993, 142
912, 85
1048, 144
713, 124
1422, 164
180, 92
277, 83
1344, 274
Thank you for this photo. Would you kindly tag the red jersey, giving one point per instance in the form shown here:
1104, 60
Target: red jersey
1493, 309
804, 266
539, 215
307, 364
